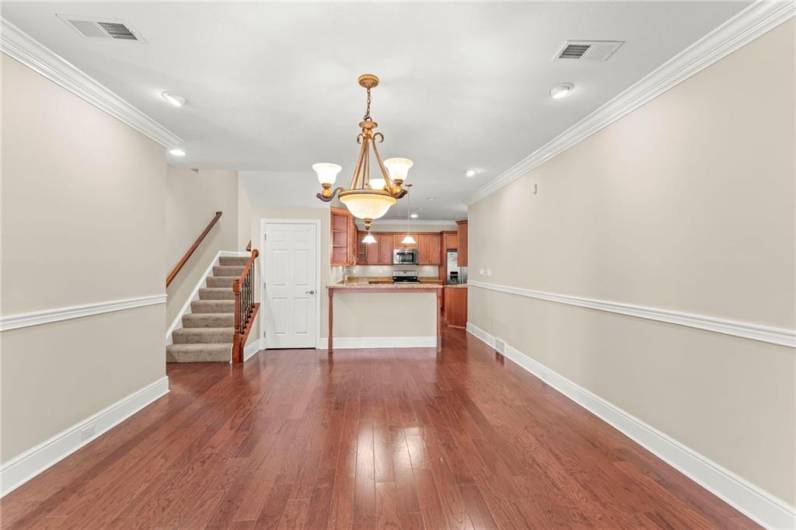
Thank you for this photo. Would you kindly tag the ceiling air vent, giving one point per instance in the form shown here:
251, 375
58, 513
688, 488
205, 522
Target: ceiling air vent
588, 50
101, 28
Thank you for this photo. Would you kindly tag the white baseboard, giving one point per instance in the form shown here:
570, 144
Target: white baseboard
744, 496
345, 343
252, 348
24, 467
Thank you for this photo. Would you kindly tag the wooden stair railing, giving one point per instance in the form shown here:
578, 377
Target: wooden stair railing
185, 257
245, 307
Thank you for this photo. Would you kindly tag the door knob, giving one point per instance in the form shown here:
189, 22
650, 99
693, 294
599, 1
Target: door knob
310, 292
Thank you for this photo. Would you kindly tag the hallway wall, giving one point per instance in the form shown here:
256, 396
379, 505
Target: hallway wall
685, 204
82, 222
192, 199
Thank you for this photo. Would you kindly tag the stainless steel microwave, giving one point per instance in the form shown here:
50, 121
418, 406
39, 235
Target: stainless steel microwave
404, 256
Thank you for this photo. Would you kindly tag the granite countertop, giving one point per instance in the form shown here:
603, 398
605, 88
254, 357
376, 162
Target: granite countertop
455, 286
375, 283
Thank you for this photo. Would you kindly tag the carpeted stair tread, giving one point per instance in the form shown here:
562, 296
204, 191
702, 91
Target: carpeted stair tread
216, 293
203, 335
193, 353
221, 270
213, 306
220, 281
208, 320
235, 261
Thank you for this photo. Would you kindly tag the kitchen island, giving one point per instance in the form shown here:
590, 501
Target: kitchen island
367, 287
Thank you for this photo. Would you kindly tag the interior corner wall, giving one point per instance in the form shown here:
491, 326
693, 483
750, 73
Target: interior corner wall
685, 204
192, 199
81, 222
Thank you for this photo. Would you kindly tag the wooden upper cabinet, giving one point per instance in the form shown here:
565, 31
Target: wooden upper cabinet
371, 251
429, 249
343, 238
398, 237
385, 249
462, 238
450, 241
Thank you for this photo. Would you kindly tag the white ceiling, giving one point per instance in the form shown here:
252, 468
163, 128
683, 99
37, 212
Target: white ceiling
271, 87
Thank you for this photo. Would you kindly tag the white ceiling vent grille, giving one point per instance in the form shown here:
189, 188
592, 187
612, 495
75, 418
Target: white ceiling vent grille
588, 50
101, 28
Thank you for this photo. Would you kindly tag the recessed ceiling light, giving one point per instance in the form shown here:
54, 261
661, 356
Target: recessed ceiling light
177, 152
431, 198
414, 216
173, 99
470, 173
562, 90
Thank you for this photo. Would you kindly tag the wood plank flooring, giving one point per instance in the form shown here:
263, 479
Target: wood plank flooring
368, 439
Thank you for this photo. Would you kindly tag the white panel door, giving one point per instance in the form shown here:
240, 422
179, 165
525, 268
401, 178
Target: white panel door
290, 271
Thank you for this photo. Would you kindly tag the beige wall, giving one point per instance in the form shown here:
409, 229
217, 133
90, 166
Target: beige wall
192, 198
82, 222
685, 204
363, 314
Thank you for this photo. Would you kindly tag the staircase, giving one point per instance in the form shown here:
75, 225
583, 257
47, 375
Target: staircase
209, 329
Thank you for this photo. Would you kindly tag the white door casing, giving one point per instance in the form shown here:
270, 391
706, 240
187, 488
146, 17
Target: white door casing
292, 290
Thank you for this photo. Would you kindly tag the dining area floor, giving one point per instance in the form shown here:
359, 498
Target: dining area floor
379, 438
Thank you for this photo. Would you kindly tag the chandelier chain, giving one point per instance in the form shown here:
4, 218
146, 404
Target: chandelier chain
367, 111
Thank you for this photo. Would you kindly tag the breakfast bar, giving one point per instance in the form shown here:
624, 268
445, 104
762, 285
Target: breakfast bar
367, 287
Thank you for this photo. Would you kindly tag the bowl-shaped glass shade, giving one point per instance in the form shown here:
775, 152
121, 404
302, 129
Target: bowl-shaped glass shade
327, 173
369, 239
367, 204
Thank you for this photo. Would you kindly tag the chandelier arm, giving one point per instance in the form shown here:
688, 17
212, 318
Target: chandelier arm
366, 173
384, 171
358, 167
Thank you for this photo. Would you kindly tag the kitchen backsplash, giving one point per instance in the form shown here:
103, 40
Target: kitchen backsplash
371, 271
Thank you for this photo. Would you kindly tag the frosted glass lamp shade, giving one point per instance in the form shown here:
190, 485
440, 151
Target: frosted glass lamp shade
327, 173
377, 183
398, 168
364, 204
368, 239
408, 240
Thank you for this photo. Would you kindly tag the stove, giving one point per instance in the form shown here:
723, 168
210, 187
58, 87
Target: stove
404, 276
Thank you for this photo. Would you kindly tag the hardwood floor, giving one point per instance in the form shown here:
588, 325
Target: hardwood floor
368, 439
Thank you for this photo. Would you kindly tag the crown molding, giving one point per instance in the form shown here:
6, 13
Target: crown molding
20, 46
736, 32
413, 222
746, 330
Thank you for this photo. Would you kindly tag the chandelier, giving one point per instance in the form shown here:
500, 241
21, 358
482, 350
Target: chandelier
367, 198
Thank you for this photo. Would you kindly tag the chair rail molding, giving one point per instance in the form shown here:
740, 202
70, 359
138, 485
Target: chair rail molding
46, 316
20, 46
746, 330
756, 503
743, 28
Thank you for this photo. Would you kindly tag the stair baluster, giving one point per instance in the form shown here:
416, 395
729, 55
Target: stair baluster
245, 308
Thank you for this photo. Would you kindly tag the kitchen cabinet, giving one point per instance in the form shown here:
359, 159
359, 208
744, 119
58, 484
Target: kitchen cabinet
428, 249
385, 248
398, 237
450, 241
343, 238
462, 240
455, 306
